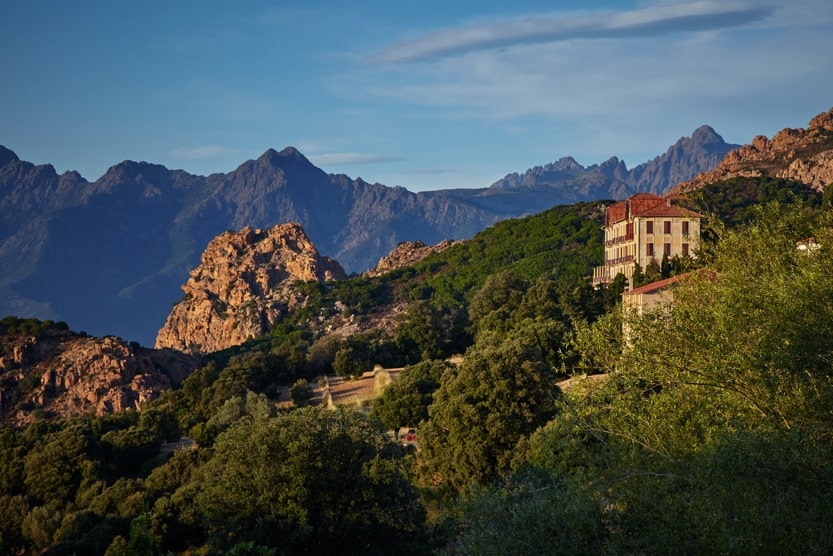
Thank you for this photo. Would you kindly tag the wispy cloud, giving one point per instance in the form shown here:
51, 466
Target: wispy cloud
351, 158
657, 20
203, 152
431, 171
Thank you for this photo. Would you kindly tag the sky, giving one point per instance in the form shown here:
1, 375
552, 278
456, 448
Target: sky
426, 95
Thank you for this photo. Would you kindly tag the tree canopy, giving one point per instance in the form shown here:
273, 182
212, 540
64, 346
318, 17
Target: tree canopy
712, 432
313, 480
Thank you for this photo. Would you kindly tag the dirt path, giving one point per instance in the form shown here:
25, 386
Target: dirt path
352, 391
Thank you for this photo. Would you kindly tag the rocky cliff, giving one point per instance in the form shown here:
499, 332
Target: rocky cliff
63, 373
804, 155
405, 254
243, 286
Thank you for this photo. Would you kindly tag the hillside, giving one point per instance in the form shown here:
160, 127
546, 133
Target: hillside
48, 370
673, 439
271, 287
802, 155
109, 256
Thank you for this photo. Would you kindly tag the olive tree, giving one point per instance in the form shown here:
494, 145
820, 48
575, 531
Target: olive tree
312, 479
406, 400
483, 412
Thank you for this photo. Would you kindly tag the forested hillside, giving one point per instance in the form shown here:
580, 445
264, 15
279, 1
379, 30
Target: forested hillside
708, 431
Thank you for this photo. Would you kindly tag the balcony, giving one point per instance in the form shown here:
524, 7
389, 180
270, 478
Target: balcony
618, 240
619, 260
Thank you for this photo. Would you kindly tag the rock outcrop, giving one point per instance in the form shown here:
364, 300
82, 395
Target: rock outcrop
244, 285
804, 155
406, 254
66, 374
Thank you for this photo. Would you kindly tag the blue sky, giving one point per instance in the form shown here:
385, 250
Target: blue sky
426, 95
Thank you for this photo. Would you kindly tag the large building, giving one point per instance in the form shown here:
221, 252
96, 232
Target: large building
642, 228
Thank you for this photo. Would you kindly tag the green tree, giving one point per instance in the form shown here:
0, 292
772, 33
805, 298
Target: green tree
142, 542
322, 354
653, 272
161, 422
11, 461
483, 412
533, 513
420, 332
13, 510
638, 277
712, 432
41, 523
357, 354
406, 400
300, 392
314, 480
350, 362
827, 197
492, 306
56, 466
665, 267
128, 449
238, 406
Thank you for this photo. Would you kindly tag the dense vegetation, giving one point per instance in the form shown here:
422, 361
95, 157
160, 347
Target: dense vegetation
30, 327
709, 433
564, 242
735, 201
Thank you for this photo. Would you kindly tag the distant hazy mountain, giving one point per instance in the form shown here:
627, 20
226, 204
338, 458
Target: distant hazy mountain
567, 181
109, 256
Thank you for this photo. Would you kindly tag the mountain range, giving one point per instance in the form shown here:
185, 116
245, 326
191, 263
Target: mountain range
109, 256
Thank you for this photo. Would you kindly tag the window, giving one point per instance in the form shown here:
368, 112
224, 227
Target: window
685, 248
666, 248
649, 249
649, 227
667, 227
685, 227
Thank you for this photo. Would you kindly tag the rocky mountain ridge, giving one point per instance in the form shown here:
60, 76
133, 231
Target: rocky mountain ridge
611, 179
804, 155
244, 285
109, 256
63, 373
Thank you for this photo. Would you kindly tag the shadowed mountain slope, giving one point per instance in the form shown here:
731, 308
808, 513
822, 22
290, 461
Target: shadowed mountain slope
109, 256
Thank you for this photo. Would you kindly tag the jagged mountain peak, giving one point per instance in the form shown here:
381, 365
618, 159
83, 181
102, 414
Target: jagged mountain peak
705, 135
147, 177
612, 162
566, 163
157, 221
132, 170
287, 155
572, 182
274, 165
7, 156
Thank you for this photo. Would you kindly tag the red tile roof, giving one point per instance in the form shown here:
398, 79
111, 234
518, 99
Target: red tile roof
662, 284
656, 286
647, 204
668, 211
